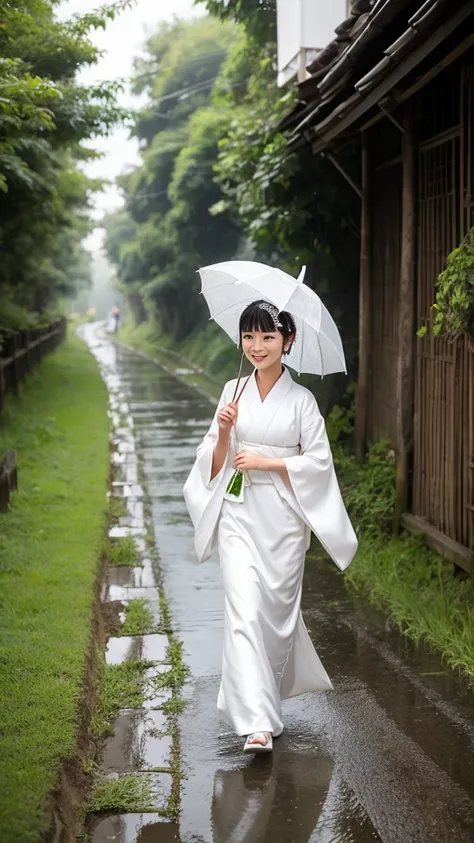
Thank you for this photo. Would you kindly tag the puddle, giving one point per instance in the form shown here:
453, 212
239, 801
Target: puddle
134, 828
132, 648
132, 748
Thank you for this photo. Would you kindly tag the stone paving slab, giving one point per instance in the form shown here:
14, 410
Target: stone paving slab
133, 828
120, 532
119, 592
134, 647
128, 577
120, 488
135, 508
129, 522
126, 446
136, 745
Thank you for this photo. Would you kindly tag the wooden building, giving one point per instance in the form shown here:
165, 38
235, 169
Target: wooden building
395, 92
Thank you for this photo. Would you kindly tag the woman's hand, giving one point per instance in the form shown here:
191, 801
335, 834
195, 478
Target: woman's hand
245, 461
227, 417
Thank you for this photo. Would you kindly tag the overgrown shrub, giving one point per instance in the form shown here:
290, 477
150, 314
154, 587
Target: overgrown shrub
368, 487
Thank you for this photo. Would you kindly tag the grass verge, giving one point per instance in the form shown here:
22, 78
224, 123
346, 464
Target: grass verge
49, 550
402, 576
416, 587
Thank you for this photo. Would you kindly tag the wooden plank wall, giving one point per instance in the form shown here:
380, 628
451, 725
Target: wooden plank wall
386, 249
443, 369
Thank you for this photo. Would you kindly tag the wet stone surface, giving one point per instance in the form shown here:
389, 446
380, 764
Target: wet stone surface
128, 577
139, 743
135, 647
134, 828
387, 756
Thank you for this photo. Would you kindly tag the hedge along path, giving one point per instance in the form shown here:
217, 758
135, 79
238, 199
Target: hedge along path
49, 553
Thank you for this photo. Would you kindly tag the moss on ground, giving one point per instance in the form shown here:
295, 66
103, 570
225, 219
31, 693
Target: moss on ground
50, 544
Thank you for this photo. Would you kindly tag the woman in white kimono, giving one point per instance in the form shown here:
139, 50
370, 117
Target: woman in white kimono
263, 480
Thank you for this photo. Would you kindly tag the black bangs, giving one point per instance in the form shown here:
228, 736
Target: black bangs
256, 318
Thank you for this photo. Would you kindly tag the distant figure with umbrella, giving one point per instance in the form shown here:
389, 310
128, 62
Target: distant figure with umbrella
115, 318
264, 480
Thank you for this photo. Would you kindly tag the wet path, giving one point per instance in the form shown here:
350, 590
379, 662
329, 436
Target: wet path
387, 756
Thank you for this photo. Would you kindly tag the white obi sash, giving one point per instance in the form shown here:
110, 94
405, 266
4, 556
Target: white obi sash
235, 490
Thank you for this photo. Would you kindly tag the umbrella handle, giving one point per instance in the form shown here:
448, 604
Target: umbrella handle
239, 378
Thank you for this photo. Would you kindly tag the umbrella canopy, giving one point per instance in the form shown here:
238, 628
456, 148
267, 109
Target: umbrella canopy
231, 286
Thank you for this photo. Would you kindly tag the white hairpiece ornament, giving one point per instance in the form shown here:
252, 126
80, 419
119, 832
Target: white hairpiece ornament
273, 311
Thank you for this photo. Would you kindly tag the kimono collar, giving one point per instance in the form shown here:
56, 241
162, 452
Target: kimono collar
278, 390
261, 413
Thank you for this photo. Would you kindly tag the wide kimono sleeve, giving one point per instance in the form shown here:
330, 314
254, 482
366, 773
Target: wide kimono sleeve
203, 495
315, 486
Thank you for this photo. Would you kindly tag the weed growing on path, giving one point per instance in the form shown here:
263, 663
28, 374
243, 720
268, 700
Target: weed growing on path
117, 509
128, 793
122, 552
138, 618
121, 686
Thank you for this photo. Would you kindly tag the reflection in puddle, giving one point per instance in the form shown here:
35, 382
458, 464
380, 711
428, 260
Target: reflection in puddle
288, 798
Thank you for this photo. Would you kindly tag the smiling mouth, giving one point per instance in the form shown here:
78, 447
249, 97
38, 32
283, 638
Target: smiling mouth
259, 356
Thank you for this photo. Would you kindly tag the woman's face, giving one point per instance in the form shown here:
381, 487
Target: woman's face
262, 349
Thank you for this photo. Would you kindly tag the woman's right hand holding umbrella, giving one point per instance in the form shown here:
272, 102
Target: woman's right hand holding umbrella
227, 417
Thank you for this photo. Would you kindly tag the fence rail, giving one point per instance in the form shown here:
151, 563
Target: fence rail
21, 351
8, 479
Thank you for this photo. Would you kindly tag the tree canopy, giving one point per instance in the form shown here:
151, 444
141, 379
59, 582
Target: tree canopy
45, 117
217, 180
166, 230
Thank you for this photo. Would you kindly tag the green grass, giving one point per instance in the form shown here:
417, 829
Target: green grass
117, 509
122, 552
121, 686
138, 618
416, 587
128, 793
49, 550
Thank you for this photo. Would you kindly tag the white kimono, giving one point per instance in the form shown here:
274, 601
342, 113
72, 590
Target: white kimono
261, 541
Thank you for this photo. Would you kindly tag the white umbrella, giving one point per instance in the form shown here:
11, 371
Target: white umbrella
230, 286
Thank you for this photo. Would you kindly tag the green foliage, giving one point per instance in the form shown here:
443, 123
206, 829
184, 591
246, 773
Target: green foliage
45, 116
454, 305
293, 208
368, 487
416, 587
167, 230
257, 16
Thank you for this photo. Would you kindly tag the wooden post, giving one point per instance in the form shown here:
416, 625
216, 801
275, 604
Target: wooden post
365, 307
406, 325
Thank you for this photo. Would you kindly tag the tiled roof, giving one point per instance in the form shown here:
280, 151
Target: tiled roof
376, 38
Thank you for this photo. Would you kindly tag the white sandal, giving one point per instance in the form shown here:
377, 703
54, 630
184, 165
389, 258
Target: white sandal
252, 745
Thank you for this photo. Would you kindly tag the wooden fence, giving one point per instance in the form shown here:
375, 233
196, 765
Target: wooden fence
20, 352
